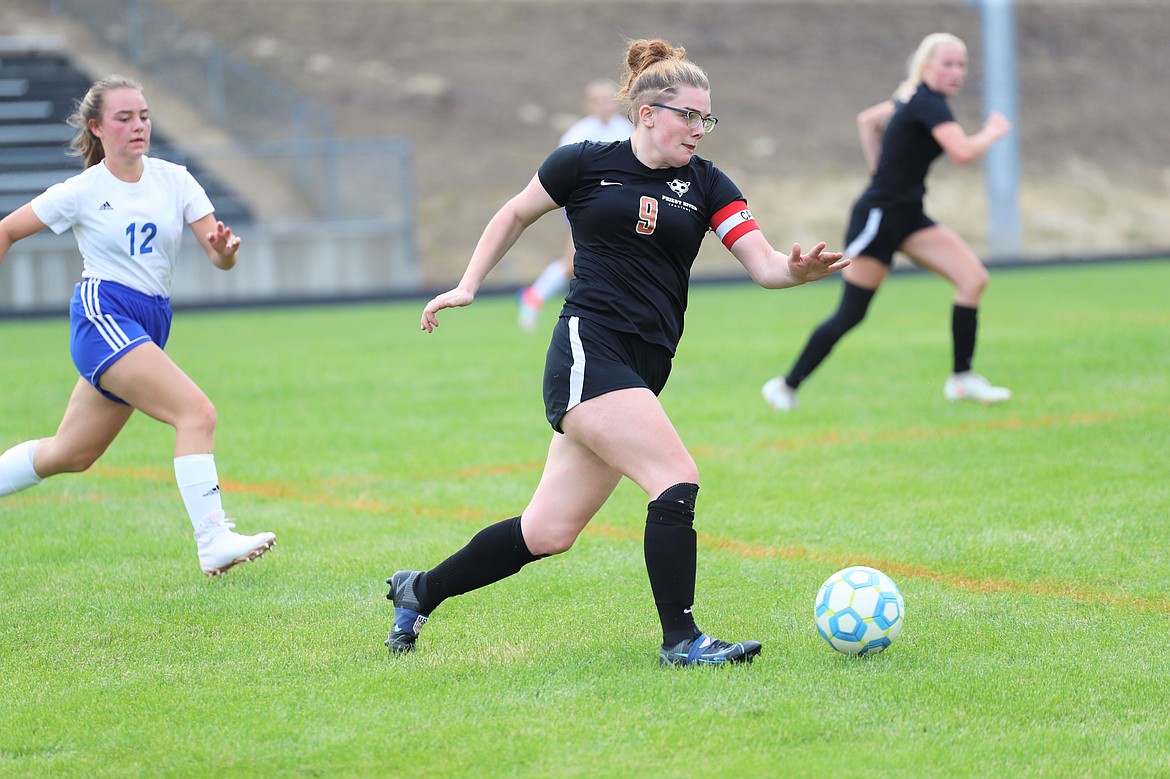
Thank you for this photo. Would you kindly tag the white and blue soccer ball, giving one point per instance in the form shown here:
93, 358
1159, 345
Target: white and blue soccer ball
859, 611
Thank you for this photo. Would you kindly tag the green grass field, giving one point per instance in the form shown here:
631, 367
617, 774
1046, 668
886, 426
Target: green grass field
1029, 540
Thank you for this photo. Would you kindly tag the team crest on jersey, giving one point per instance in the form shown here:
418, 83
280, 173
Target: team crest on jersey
679, 188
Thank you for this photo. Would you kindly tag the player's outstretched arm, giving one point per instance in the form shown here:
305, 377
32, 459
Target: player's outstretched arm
20, 224
498, 237
963, 149
774, 270
218, 241
451, 299
871, 123
815, 264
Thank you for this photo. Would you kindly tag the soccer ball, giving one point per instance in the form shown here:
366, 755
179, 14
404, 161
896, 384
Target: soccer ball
859, 611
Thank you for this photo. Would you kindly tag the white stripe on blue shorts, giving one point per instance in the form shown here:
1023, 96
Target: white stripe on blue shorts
109, 329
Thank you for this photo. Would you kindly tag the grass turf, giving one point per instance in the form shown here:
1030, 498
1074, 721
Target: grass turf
1028, 539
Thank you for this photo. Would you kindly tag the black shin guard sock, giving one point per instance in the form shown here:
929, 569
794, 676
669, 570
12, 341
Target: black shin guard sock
670, 549
494, 553
964, 322
854, 303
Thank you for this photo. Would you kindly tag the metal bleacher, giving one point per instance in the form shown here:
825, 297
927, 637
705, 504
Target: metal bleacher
325, 218
39, 87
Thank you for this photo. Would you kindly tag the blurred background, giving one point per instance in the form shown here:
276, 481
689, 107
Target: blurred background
360, 146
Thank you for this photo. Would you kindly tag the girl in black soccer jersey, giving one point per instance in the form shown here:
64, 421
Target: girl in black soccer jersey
900, 138
638, 210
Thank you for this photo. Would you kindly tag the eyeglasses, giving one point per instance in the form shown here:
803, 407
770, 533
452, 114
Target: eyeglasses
694, 118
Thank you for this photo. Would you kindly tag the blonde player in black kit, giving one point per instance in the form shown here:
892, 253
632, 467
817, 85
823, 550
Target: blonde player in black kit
639, 210
900, 138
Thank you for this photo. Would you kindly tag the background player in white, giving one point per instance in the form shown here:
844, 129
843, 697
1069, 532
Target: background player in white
900, 138
605, 124
128, 212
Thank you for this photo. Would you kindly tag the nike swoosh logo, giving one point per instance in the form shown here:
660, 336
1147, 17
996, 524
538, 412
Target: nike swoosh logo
606, 183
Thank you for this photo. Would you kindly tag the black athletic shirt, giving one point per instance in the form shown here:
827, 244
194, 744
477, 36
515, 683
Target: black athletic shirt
637, 231
908, 149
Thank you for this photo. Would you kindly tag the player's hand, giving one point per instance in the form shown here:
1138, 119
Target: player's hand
453, 299
816, 264
998, 124
223, 240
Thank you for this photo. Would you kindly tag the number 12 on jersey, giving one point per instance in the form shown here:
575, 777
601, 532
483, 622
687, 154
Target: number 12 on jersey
143, 237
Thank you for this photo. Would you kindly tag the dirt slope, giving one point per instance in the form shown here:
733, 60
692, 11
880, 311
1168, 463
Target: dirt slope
484, 89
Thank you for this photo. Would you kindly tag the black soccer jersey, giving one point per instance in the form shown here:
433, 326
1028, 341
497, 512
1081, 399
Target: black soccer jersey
637, 231
908, 149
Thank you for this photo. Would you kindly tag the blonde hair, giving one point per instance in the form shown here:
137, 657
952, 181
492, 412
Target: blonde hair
655, 71
919, 59
85, 144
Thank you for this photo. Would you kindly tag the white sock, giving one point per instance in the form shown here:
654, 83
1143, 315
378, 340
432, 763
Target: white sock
16, 469
199, 485
551, 281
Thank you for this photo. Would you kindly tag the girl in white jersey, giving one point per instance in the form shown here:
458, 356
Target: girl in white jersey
127, 211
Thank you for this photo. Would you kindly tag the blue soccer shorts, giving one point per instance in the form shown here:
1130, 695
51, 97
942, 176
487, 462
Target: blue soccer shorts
108, 320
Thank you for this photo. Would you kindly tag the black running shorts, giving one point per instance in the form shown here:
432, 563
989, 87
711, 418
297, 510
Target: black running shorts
586, 360
878, 232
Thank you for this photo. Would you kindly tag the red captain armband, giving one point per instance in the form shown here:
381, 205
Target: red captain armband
732, 222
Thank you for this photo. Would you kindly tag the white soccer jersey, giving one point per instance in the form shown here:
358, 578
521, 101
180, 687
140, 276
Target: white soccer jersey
128, 233
618, 128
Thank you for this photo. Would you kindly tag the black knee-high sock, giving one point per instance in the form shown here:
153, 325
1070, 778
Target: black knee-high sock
964, 322
494, 553
854, 303
670, 548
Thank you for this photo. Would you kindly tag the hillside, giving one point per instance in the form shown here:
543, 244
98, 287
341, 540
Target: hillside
484, 89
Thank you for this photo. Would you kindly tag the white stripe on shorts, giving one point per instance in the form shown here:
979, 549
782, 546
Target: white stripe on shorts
577, 372
863, 239
111, 332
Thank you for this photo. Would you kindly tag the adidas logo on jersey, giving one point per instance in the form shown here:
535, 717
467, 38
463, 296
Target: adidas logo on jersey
105, 206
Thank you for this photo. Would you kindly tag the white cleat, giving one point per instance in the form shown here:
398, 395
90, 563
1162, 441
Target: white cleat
530, 305
779, 395
220, 547
973, 387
